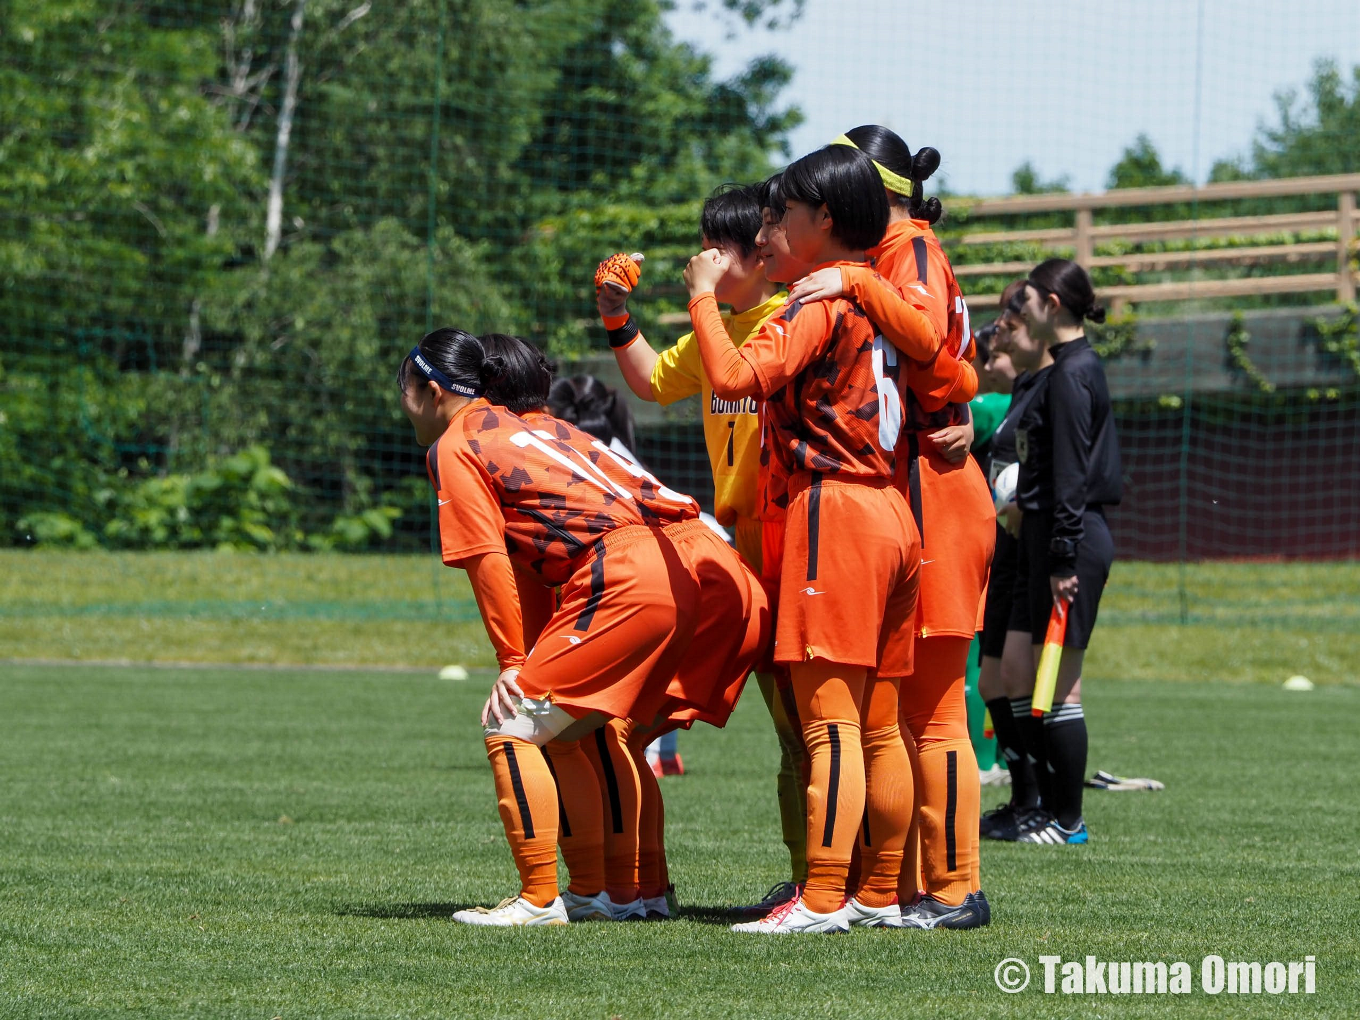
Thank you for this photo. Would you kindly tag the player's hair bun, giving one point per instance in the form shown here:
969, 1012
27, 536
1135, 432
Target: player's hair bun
492, 372
924, 163
1096, 313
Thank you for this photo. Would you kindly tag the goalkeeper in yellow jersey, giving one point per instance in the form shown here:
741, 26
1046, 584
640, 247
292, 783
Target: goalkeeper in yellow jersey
730, 220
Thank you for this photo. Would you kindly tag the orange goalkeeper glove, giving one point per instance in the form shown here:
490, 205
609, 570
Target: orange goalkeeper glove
615, 279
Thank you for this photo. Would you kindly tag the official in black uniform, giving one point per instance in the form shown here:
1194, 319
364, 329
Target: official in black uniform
1069, 472
1006, 677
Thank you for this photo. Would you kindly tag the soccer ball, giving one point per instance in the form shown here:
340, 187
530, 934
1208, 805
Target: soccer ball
1003, 489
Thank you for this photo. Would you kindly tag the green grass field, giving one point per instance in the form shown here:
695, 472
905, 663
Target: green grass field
275, 842
1247, 622
254, 843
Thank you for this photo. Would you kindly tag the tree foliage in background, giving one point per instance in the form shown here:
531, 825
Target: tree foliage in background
224, 222
222, 230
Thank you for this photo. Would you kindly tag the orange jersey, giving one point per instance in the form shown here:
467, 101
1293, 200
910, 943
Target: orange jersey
938, 349
658, 504
951, 502
538, 494
820, 369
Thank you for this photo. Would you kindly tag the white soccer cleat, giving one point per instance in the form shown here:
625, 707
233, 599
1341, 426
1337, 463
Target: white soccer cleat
657, 908
635, 910
861, 916
587, 908
794, 918
514, 912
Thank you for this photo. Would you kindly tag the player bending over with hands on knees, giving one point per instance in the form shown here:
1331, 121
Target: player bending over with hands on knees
523, 513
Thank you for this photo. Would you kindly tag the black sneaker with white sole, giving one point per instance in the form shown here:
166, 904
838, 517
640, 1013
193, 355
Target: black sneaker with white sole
999, 821
1053, 833
928, 912
1009, 822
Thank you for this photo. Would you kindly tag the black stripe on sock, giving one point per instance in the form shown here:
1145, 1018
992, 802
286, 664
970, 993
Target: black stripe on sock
596, 591
868, 839
833, 732
951, 809
563, 826
611, 780
526, 820
814, 524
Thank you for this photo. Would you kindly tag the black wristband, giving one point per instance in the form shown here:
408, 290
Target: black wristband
624, 335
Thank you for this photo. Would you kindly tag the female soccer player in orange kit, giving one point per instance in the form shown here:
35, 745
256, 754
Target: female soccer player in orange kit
709, 679
956, 519
509, 497
848, 584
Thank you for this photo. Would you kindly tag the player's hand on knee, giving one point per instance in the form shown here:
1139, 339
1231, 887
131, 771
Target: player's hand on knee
505, 693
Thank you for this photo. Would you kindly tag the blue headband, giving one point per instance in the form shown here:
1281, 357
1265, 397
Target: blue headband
435, 376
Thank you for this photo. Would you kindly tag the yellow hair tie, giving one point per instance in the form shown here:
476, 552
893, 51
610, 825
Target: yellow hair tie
894, 182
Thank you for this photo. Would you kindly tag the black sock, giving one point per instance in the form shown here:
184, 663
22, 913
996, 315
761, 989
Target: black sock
1065, 728
1011, 746
1036, 749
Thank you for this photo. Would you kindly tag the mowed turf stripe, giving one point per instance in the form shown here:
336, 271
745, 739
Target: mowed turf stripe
225, 843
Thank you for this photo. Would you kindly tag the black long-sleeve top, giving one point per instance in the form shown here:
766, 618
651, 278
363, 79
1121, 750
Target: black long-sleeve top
1068, 451
1001, 447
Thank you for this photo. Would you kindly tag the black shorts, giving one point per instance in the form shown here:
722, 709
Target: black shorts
1000, 591
1033, 599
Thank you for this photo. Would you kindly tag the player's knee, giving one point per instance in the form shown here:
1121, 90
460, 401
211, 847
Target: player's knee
538, 722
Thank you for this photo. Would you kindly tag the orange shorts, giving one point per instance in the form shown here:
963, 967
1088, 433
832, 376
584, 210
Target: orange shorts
732, 632
625, 619
958, 536
847, 593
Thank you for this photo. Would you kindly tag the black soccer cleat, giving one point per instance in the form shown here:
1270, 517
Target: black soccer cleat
1008, 822
928, 912
984, 907
997, 822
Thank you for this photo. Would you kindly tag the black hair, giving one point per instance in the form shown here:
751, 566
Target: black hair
527, 376
460, 356
1013, 297
983, 340
731, 216
886, 147
1072, 285
770, 195
845, 181
592, 407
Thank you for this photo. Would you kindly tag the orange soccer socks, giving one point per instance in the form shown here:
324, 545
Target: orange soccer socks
889, 797
949, 795
620, 786
580, 820
527, 798
828, 697
653, 875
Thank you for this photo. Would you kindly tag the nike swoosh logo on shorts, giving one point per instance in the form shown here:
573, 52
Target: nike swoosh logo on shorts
812, 591
441, 502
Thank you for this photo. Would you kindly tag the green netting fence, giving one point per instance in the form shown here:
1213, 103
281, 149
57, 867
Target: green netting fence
221, 225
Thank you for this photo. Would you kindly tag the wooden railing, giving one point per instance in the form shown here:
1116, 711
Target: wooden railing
1082, 237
